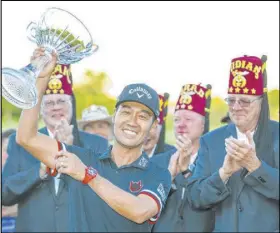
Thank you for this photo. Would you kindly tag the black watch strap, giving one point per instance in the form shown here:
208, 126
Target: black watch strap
189, 170
186, 172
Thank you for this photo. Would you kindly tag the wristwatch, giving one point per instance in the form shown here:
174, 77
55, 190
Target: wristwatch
91, 173
186, 172
189, 170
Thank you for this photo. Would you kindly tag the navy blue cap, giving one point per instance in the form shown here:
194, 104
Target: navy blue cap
140, 93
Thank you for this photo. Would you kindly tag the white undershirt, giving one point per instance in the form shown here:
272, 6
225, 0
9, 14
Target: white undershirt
56, 178
152, 152
193, 157
242, 136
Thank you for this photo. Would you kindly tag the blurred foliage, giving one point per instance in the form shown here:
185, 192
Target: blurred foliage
93, 90
94, 87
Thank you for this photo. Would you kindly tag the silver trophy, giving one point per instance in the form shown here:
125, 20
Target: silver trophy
56, 32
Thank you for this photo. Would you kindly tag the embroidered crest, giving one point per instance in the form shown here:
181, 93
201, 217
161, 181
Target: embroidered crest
135, 186
55, 85
239, 78
186, 98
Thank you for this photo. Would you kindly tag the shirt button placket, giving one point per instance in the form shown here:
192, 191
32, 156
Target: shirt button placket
239, 207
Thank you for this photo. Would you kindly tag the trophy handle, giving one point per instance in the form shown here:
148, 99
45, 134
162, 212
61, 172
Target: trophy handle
31, 32
90, 49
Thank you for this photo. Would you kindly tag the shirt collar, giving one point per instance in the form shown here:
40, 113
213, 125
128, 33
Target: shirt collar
106, 154
50, 133
142, 162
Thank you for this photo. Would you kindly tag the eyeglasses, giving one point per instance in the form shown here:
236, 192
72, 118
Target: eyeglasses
242, 102
60, 102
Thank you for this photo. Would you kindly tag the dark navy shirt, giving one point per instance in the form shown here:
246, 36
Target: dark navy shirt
178, 216
88, 212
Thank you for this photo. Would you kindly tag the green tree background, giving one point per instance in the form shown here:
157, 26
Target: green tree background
93, 89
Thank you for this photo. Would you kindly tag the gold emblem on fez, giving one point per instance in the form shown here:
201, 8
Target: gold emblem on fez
54, 84
239, 79
186, 98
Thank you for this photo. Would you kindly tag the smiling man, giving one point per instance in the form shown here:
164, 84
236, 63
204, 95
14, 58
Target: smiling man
121, 190
237, 171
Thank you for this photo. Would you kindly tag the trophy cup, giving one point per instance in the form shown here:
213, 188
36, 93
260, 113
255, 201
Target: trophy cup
55, 32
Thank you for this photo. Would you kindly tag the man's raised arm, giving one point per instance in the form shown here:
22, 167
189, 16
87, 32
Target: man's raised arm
40, 146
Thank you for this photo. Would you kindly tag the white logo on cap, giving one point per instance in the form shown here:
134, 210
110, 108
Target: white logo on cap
140, 89
140, 96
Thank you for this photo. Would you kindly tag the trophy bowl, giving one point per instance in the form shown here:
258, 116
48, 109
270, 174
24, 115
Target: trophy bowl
57, 30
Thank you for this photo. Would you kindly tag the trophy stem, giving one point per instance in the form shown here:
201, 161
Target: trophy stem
19, 86
33, 69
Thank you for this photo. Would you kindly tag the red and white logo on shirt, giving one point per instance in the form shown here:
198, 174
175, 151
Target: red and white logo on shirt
135, 186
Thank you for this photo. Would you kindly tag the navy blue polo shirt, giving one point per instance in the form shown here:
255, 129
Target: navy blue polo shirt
88, 212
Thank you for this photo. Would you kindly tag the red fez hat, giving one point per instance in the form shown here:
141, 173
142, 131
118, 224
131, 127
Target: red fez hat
60, 81
162, 106
246, 76
193, 97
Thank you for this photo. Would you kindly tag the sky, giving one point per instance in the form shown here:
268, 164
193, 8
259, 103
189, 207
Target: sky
162, 44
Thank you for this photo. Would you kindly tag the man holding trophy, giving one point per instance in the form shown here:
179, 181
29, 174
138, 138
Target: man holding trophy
121, 190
